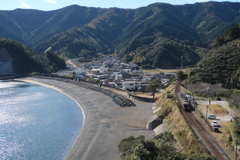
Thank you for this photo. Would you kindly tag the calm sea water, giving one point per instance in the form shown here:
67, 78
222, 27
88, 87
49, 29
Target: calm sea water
36, 123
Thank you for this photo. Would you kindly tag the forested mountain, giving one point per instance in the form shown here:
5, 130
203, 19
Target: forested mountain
24, 60
93, 38
31, 26
153, 36
221, 64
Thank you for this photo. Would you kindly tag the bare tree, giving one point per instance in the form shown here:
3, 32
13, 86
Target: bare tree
218, 90
199, 87
206, 88
235, 99
192, 88
236, 118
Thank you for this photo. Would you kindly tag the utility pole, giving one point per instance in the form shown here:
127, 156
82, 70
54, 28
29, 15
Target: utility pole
236, 146
181, 62
209, 102
206, 112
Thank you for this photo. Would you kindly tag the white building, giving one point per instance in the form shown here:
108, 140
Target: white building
95, 71
114, 74
165, 81
130, 85
118, 77
127, 69
69, 66
103, 70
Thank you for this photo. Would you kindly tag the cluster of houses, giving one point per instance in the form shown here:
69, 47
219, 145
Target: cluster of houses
111, 72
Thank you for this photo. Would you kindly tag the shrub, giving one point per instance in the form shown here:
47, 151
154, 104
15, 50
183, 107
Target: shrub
161, 147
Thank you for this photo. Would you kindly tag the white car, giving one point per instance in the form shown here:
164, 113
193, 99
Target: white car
150, 94
211, 116
215, 124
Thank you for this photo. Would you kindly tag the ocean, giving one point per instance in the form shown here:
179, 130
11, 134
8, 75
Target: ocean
36, 122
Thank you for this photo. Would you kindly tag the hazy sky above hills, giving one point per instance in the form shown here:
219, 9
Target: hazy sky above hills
56, 4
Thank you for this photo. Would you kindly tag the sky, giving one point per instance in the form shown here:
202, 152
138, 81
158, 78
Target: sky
47, 5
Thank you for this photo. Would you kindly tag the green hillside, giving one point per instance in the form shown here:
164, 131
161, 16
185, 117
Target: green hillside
221, 64
95, 37
153, 36
27, 61
33, 26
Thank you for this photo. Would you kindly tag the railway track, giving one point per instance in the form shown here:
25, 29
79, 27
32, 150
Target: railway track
199, 130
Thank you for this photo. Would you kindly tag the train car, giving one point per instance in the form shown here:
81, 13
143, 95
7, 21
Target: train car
186, 105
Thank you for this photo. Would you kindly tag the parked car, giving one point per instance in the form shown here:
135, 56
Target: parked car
215, 124
150, 94
211, 116
215, 129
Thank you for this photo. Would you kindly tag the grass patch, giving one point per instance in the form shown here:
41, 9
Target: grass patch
232, 106
217, 109
162, 70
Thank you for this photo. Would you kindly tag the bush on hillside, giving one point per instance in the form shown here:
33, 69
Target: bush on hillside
161, 147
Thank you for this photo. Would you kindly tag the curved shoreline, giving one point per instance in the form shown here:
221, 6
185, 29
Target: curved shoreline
105, 123
57, 89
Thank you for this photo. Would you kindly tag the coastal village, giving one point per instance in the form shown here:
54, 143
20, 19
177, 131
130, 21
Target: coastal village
111, 72
128, 77
152, 82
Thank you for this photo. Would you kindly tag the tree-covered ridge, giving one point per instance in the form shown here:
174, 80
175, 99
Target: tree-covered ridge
27, 61
221, 64
32, 26
154, 36
95, 37
165, 54
230, 35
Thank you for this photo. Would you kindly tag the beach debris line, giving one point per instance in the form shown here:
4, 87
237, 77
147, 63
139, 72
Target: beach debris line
117, 98
120, 100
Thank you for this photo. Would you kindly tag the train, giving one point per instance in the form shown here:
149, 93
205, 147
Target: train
185, 103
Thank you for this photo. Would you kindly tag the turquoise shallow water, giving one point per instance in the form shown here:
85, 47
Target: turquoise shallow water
36, 122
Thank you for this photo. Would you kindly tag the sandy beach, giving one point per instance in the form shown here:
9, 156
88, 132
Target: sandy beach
105, 125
